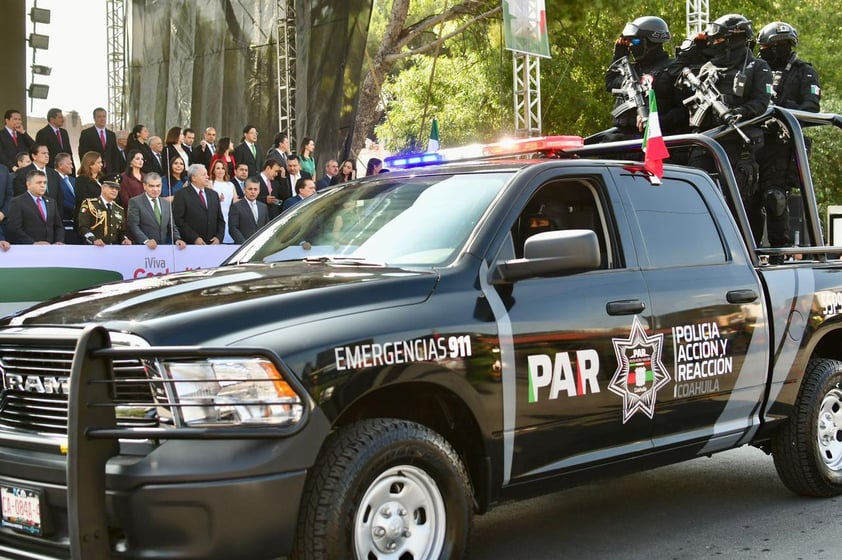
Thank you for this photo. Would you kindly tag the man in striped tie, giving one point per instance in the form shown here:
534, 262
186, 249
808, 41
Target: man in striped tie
34, 218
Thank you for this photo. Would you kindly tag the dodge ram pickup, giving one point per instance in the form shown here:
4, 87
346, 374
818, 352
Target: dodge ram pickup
395, 355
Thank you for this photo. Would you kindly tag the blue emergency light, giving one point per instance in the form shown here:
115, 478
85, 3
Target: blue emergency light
513, 147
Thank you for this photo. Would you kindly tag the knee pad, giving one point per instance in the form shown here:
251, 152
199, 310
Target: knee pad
774, 201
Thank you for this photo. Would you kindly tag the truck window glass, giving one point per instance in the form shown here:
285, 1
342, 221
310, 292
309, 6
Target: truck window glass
675, 223
560, 205
424, 221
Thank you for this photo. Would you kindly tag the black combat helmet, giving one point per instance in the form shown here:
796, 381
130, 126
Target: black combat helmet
648, 27
777, 32
731, 25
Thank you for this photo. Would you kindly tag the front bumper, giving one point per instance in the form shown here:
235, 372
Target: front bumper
156, 509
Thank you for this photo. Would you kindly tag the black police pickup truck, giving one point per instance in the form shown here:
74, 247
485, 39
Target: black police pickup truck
391, 357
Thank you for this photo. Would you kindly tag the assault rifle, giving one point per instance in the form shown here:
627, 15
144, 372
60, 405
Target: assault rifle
633, 90
706, 96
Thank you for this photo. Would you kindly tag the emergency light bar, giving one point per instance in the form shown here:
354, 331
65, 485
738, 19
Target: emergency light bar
545, 144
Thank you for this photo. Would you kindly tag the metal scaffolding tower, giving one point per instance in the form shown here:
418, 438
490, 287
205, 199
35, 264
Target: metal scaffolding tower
527, 88
116, 40
286, 67
697, 17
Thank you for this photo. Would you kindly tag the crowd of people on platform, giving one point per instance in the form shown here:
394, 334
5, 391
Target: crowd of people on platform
135, 188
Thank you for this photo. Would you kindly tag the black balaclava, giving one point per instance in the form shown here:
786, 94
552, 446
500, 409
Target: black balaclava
777, 55
643, 51
728, 53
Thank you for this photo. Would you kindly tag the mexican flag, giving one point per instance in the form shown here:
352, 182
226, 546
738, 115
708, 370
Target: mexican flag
433, 144
653, 143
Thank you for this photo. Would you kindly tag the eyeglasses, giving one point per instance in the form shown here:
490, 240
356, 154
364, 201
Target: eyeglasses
636, 41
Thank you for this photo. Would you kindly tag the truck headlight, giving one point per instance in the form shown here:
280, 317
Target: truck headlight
231, 391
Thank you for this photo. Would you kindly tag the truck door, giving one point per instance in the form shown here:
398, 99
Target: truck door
564, 332
708, 304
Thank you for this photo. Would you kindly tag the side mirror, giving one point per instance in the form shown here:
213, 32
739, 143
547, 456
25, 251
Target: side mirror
552, 253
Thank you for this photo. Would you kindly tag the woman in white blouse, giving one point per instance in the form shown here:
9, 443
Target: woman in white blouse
225, 189
174, 141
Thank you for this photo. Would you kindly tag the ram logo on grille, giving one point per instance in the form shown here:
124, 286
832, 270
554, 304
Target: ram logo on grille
58, 385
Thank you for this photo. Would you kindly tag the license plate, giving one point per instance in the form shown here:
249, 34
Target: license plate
21, 509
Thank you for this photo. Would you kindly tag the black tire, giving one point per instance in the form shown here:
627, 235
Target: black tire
385, 488
808, 447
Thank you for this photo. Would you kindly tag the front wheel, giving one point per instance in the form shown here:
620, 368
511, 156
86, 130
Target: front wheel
385, 489
808, 447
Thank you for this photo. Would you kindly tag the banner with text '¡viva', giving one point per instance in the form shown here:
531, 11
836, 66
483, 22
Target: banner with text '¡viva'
34, 273
525, 27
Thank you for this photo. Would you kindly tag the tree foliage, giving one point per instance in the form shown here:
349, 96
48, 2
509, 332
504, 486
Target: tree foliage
466, 81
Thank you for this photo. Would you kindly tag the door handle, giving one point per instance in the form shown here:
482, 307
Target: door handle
625, 307
741, 296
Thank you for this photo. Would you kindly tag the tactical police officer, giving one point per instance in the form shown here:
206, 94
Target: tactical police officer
745, 84
642, 42
101, 220
795, 86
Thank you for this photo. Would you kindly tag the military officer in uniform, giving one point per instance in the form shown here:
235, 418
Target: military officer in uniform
101, 220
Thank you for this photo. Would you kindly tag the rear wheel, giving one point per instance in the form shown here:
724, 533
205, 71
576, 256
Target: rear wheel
808, 448
385, 489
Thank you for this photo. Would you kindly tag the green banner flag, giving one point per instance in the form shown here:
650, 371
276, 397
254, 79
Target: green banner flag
525, 27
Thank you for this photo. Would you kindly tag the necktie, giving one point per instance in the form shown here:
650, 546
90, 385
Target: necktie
253, 205
41, 209
157, 210
108, 207
102, 138
15, 137
202, 198
69, 186
253, 152
58, 136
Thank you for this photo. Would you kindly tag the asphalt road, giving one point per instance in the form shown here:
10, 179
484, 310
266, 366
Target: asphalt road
729, 506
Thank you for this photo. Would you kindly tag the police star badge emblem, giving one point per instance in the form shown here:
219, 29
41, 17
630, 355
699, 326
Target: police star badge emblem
640, 372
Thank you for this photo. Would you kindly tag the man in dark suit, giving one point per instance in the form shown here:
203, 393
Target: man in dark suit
241, 173
187, 145
294, 174
331, 171
99, 139
248, 214
33, 217
303, 189
6, 195
155, 161
13, 139
40, 156
203, 153
248, 151
63, 167
122, 149
55, 137
271, 186
150, 216
280, 149
196, 209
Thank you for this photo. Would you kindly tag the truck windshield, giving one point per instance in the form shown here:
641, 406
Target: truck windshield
391, 221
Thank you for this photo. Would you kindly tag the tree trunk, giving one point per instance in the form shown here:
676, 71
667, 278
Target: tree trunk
369, 97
